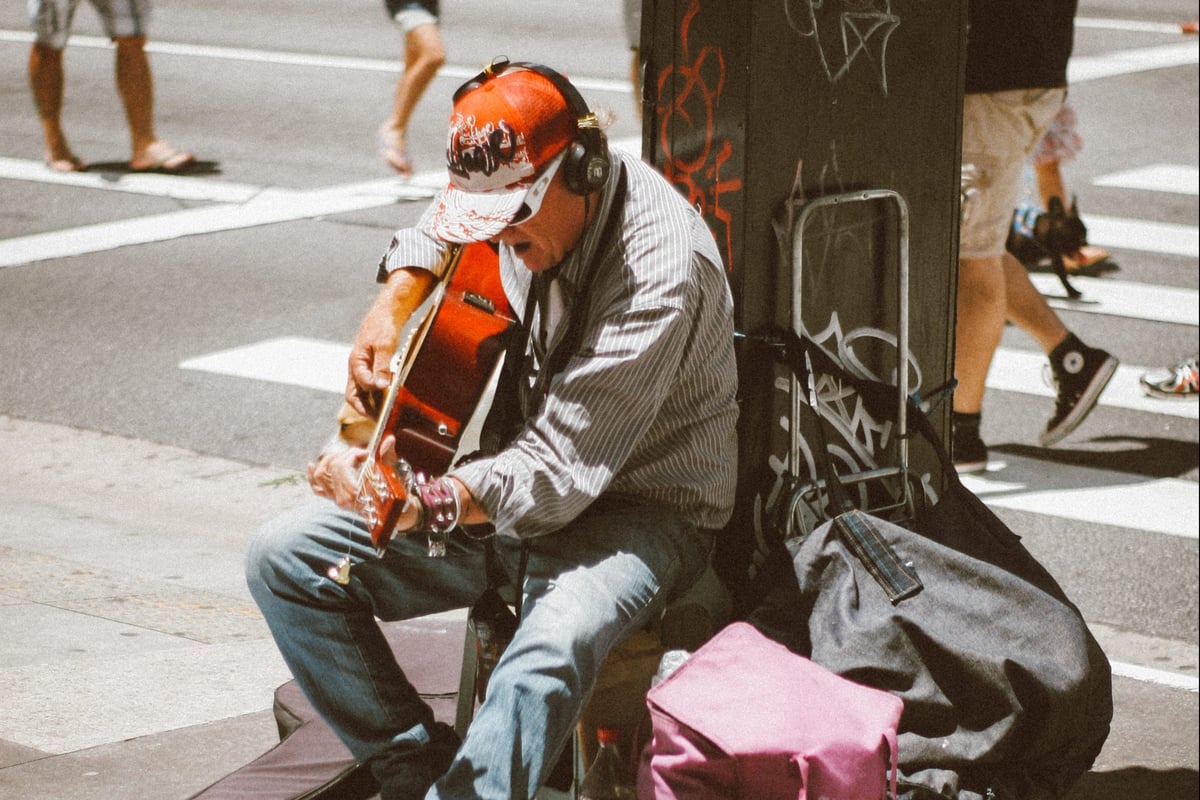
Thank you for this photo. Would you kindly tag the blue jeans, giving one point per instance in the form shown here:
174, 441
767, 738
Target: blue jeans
587, 587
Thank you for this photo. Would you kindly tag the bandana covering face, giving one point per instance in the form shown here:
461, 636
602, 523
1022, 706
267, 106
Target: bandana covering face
501, 134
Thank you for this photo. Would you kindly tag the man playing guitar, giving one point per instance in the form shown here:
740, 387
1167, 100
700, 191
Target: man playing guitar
603, 489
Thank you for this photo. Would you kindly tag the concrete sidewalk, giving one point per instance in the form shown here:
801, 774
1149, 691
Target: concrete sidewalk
135, 661
135, 664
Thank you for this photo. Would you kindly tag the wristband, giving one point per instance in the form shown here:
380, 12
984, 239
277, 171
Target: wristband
438, 511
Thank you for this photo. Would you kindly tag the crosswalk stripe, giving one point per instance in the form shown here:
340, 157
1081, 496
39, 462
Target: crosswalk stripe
279, 57
1021, 371
176, 187
1131, 25
244, 207
1173, 178
1163, 505
319, 364
1122, 298
268, 207
1162, 677
1081, 69
1152, 237
1079, 493
294, 360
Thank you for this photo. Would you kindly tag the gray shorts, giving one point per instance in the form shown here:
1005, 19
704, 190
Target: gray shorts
51, 19
410, 14
1000, 130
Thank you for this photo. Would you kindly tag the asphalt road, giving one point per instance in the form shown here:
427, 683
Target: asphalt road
132, 307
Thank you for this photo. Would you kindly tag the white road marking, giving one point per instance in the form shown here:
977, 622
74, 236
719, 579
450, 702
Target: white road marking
1152, 237
1136, 672
391, 66
1166, 505
319, 364
1169, 506
1021, 371
293, 360
267, 207
1131, 25
1122, 298
174, 186
253, 206
1173, 178
1081, 69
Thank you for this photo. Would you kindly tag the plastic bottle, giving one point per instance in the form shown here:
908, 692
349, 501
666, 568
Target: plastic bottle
606, 778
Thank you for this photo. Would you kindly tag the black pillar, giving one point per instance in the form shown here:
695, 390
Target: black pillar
754, 108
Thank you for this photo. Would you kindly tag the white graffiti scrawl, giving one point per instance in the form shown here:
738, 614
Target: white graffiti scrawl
846, 31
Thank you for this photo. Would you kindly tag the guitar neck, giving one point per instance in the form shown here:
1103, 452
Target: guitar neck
417, 327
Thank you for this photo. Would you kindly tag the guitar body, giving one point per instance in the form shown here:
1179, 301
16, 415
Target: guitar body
438, 385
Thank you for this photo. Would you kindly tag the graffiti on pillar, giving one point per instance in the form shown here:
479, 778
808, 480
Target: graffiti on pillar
846, 32
689, 91
857, 442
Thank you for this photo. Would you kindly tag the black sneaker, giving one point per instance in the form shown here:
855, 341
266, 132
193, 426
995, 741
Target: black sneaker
969, 452
1080, 374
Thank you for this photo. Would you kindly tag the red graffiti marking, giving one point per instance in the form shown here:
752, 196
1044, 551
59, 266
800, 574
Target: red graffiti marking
688, 93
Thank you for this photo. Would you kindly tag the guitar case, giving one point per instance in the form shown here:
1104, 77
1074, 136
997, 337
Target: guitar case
310, 762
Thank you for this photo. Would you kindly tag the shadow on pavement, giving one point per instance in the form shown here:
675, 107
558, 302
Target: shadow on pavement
1150, 456
1138, 782
119, 168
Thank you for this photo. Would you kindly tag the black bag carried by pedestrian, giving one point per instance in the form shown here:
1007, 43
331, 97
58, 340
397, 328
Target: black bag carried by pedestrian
1006, 692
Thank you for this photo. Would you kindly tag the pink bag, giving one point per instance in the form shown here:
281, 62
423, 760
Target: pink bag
745, 717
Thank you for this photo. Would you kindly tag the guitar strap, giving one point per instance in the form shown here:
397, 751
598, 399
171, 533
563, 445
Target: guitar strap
558, 356
513, 395
506, 417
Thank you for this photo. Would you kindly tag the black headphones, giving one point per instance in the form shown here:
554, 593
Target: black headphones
586, 165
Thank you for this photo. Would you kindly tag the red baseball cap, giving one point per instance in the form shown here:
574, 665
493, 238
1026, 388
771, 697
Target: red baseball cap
502, 133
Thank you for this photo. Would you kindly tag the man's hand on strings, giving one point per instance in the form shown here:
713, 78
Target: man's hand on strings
378, 336
334, 475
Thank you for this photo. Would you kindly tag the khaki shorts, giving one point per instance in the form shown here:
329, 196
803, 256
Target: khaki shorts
1000, 130
51, 19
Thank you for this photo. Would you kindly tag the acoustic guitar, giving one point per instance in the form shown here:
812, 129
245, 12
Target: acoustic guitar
450, 350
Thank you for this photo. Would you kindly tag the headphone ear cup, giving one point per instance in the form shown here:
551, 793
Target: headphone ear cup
575, 167
587, 165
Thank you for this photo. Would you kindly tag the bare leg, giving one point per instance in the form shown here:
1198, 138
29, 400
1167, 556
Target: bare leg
991, 290
1049, 182
46, 81
980, 322
1027, 308
423, 57
136, 87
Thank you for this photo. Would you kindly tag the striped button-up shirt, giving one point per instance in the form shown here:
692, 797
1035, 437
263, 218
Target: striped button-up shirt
644, 408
